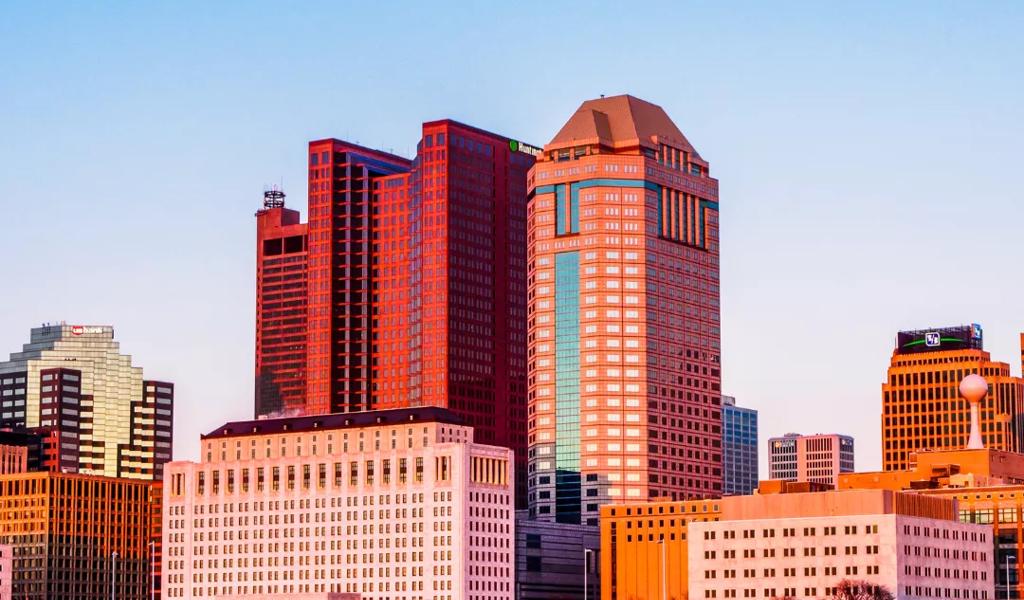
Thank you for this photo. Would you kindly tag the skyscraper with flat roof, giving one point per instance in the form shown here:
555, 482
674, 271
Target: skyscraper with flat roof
623, 338
416, 281
281, 297
922, 408
739, 448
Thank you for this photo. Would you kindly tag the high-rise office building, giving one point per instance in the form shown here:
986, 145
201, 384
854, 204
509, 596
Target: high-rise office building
281, 297
393, 504
739, 448
97, 414
921, 405
416, 280
818, 458
70, 532
623, 337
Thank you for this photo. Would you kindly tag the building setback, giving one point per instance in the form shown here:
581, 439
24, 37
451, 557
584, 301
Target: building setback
397, 505
96, 413
281, 297
415, 275
921, 406
818, 458
63, 530
739, 448
623, 337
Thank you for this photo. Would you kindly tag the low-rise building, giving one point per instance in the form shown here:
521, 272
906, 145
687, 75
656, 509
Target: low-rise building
556, 561
397, 505
656, 550
75, 536
805, 545
989, 488
818, 458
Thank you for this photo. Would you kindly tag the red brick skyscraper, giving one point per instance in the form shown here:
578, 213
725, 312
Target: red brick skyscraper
416, 280
280, 307
624, 339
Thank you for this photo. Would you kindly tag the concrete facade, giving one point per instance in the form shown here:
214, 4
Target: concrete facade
807, 557
391, 505
818, 458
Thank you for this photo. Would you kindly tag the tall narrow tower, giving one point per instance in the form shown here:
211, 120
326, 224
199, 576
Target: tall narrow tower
280, 307
623, 331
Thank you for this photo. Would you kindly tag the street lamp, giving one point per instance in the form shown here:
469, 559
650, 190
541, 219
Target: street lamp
1007, 569
664, 568
113, 575
586, 568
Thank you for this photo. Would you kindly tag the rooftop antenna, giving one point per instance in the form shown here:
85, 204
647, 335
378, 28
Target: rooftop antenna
273, 198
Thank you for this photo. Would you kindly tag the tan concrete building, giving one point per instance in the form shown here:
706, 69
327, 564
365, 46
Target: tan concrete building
390, 505
818, 458
796, 540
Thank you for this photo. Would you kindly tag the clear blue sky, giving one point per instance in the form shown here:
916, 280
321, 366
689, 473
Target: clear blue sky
869, 156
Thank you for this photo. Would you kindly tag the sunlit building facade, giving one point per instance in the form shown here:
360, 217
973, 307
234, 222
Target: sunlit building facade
922, 408
805, 545
281, 296
415, 278
624, 338
818, 458
64, 530
97, 414
391, 505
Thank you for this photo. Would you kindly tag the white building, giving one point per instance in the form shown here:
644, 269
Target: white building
804, 545
392, 505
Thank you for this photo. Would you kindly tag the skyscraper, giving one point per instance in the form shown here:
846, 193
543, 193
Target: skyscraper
921, 405
281, 297
818, 458
98, 415
416, 281
339, 334
739, 448
623, 337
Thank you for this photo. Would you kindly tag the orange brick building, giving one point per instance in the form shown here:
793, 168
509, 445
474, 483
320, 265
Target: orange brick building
921, 407
64, 530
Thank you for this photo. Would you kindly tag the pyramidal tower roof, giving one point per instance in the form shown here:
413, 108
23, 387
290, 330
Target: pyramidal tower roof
620, 122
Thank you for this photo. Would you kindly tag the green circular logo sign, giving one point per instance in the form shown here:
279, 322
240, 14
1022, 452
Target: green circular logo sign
513, 145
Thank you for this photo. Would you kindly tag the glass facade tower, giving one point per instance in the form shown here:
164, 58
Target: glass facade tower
623, 344
739, 448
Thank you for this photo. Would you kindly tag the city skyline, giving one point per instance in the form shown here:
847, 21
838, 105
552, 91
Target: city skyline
166, 256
